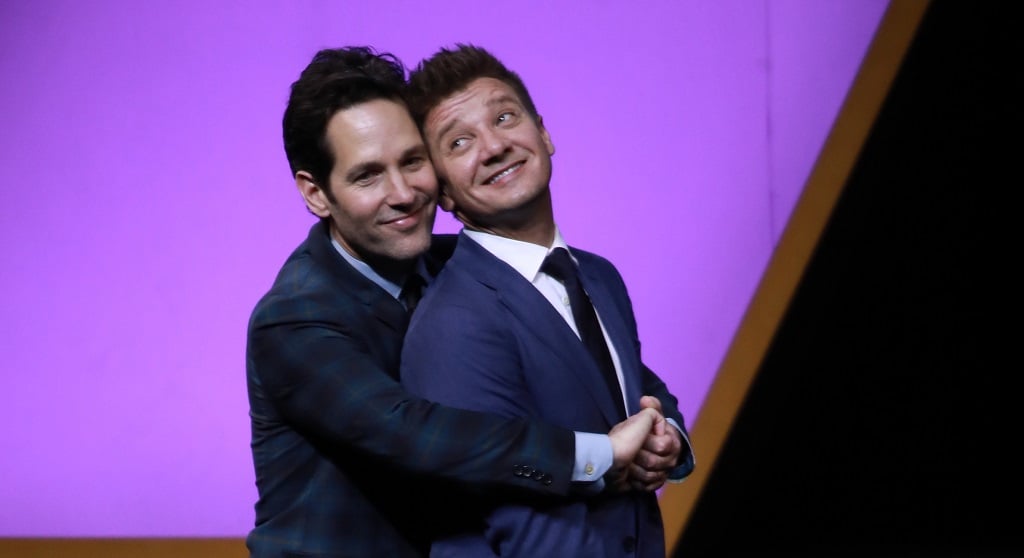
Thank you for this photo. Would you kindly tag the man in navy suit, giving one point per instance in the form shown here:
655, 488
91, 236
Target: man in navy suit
343, 455
510, 337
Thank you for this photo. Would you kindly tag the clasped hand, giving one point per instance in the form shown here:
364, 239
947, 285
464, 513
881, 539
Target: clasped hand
645, 447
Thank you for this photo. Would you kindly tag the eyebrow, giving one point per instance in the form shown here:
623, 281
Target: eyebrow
355, 171
420, 150
499, 100
447, 128
359, 169
504, 98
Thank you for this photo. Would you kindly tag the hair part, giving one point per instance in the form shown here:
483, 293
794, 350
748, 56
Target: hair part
334, 80
451, 70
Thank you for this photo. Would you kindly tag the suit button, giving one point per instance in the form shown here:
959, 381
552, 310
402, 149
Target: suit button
629, 544
546, 480
537, 475
517, 470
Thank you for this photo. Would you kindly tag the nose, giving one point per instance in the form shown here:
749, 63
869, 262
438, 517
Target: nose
401, 193
494, 146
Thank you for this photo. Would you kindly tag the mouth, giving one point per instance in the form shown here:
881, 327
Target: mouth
508, 171
406, 221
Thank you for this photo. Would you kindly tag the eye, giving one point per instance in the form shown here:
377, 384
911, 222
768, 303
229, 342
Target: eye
415, 163
506, 116
456, 143
365, 178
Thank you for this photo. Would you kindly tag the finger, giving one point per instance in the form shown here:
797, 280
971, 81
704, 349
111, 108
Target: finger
628, 436
659, 427
648, 487
652, 462
658, 444
645, 480
643, 474
650, 402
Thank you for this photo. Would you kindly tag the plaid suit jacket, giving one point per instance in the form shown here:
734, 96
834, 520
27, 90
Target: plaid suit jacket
344, 457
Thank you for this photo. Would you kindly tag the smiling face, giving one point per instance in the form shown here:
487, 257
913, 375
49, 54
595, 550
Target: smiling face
385, 190
494, 159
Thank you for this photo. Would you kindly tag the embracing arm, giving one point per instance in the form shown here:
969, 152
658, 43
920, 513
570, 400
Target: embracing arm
323, 380
485, 367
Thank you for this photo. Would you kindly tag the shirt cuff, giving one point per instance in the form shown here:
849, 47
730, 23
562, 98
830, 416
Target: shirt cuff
593, 459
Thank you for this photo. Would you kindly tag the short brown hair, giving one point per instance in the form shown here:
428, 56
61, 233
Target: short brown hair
336, 79
451, 70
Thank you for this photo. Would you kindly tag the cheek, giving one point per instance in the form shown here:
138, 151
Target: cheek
461, 173
426, 179
362, 207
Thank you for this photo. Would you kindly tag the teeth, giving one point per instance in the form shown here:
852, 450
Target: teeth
503, 173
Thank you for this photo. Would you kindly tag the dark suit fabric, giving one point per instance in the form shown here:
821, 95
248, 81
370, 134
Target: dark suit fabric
339, 448
503, 348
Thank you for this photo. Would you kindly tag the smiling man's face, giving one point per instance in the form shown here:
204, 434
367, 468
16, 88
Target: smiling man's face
492, 156
383, 184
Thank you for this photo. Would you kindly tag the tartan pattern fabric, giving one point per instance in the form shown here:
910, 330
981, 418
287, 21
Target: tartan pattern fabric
341, 452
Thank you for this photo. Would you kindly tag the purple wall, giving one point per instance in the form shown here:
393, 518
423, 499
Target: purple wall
147, 204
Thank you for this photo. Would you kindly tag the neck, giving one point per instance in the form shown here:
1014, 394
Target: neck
533, 223
389, 268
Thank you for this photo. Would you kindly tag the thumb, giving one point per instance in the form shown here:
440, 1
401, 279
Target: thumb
650, 402
628, 436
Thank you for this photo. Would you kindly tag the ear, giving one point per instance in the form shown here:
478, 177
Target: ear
313, 195
545, 135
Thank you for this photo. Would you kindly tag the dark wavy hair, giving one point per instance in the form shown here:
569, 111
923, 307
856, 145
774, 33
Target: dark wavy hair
334, 80
451, 70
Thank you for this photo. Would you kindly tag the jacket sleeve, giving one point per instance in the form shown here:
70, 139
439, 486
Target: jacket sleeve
483, 369
320, 373
653, 385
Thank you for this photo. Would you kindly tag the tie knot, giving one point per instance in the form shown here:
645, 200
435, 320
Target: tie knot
559, 265
412, 291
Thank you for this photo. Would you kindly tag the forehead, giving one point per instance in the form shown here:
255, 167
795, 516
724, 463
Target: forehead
480, 95
377, 130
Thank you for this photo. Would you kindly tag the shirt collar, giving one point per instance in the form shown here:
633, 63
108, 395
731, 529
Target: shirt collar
392, 289
524, 257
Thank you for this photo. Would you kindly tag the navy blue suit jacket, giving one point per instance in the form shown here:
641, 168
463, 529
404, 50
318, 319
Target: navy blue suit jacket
341, 450
484, 338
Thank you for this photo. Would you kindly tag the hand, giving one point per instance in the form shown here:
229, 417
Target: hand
628, 437
658, 455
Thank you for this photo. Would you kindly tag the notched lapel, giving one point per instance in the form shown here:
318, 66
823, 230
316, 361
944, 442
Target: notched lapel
533, 310
381, 305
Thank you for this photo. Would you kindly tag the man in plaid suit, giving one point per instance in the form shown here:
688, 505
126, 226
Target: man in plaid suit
347, 463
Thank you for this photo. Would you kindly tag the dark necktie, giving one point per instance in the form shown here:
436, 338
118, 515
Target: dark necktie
412, 291
559, 265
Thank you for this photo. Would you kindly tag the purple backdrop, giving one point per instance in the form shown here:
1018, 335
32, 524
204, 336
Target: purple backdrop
147, 205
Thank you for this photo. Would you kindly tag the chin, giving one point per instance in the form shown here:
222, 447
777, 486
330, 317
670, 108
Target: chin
412, 247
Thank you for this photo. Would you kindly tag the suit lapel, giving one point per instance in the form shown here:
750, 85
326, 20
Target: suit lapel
379, 303
533, 310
